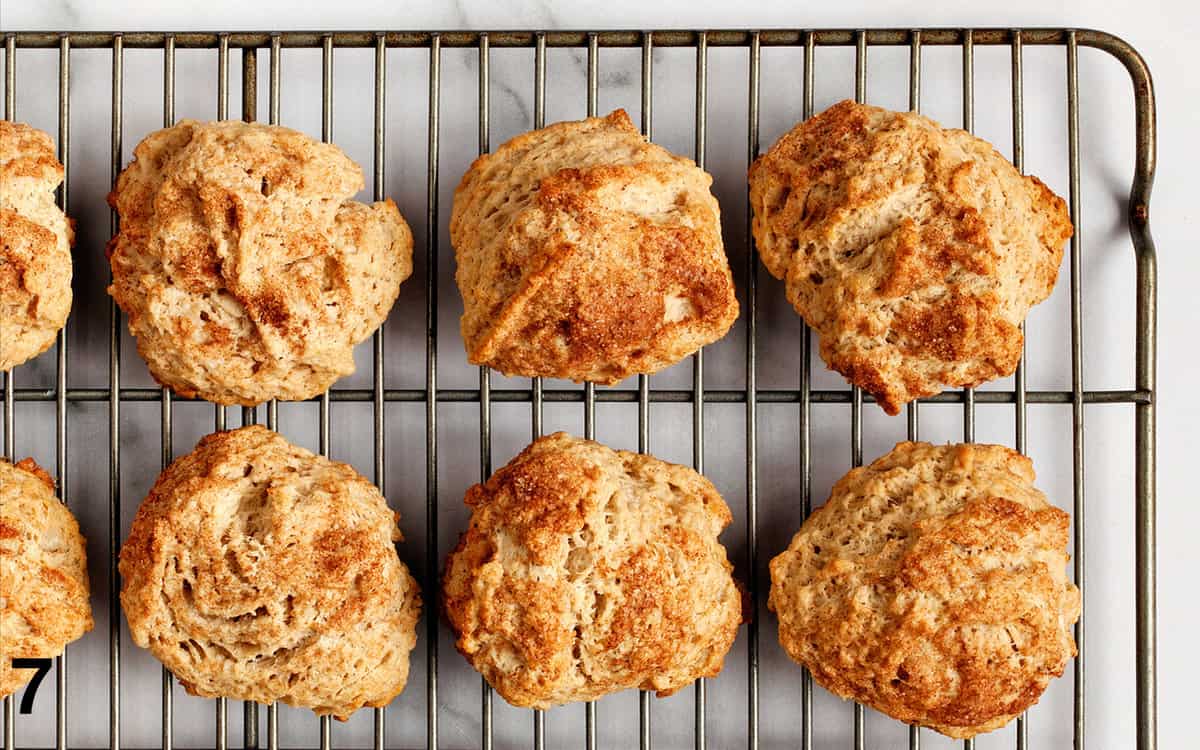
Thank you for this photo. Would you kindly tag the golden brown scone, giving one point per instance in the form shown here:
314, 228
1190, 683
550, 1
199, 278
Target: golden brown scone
914, 251
585, 252
932, 586
35, 245
258, 571
44, 590
245, 269
587, 570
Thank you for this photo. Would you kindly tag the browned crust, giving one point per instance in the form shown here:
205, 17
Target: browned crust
932, 586
44, 591
258, 571
574, 241
914, 251
35, 245
245, 268
586, 571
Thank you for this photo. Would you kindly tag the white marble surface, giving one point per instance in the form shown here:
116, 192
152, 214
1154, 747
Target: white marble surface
1158, 29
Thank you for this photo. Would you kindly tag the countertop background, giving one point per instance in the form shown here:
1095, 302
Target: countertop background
1159, 29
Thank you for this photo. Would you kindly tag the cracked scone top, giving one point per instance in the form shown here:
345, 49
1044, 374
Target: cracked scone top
932, 587
914, 251
585, 252
258, 571
245, 268
35, 245
44, 590
587, 570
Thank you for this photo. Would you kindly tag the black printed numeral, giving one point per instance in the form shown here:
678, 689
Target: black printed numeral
43, 668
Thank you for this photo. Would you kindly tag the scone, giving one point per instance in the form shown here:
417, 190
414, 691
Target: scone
259, 571
932, 587
44, 592
586, 571
245, 268
914, 251
35, 245
585, 252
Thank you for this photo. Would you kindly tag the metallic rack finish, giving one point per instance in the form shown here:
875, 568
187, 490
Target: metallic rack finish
1142, 396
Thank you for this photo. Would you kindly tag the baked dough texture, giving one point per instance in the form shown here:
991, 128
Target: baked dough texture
259, 571
914, 251
587, 570
932, 586
245, 268
35, 245
44, 592
585, 252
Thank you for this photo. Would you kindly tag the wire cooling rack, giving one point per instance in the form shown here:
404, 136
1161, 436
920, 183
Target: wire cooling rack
117, 396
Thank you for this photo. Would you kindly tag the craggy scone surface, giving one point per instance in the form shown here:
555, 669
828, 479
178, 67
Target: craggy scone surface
587, 570
585, 252
914, 251
35, 245
932, 586
258, 571
245, 269
44, 589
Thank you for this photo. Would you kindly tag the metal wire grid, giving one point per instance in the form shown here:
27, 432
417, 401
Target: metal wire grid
1142, 396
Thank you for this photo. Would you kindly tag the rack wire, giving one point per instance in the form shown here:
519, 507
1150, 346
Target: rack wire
1141, 396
